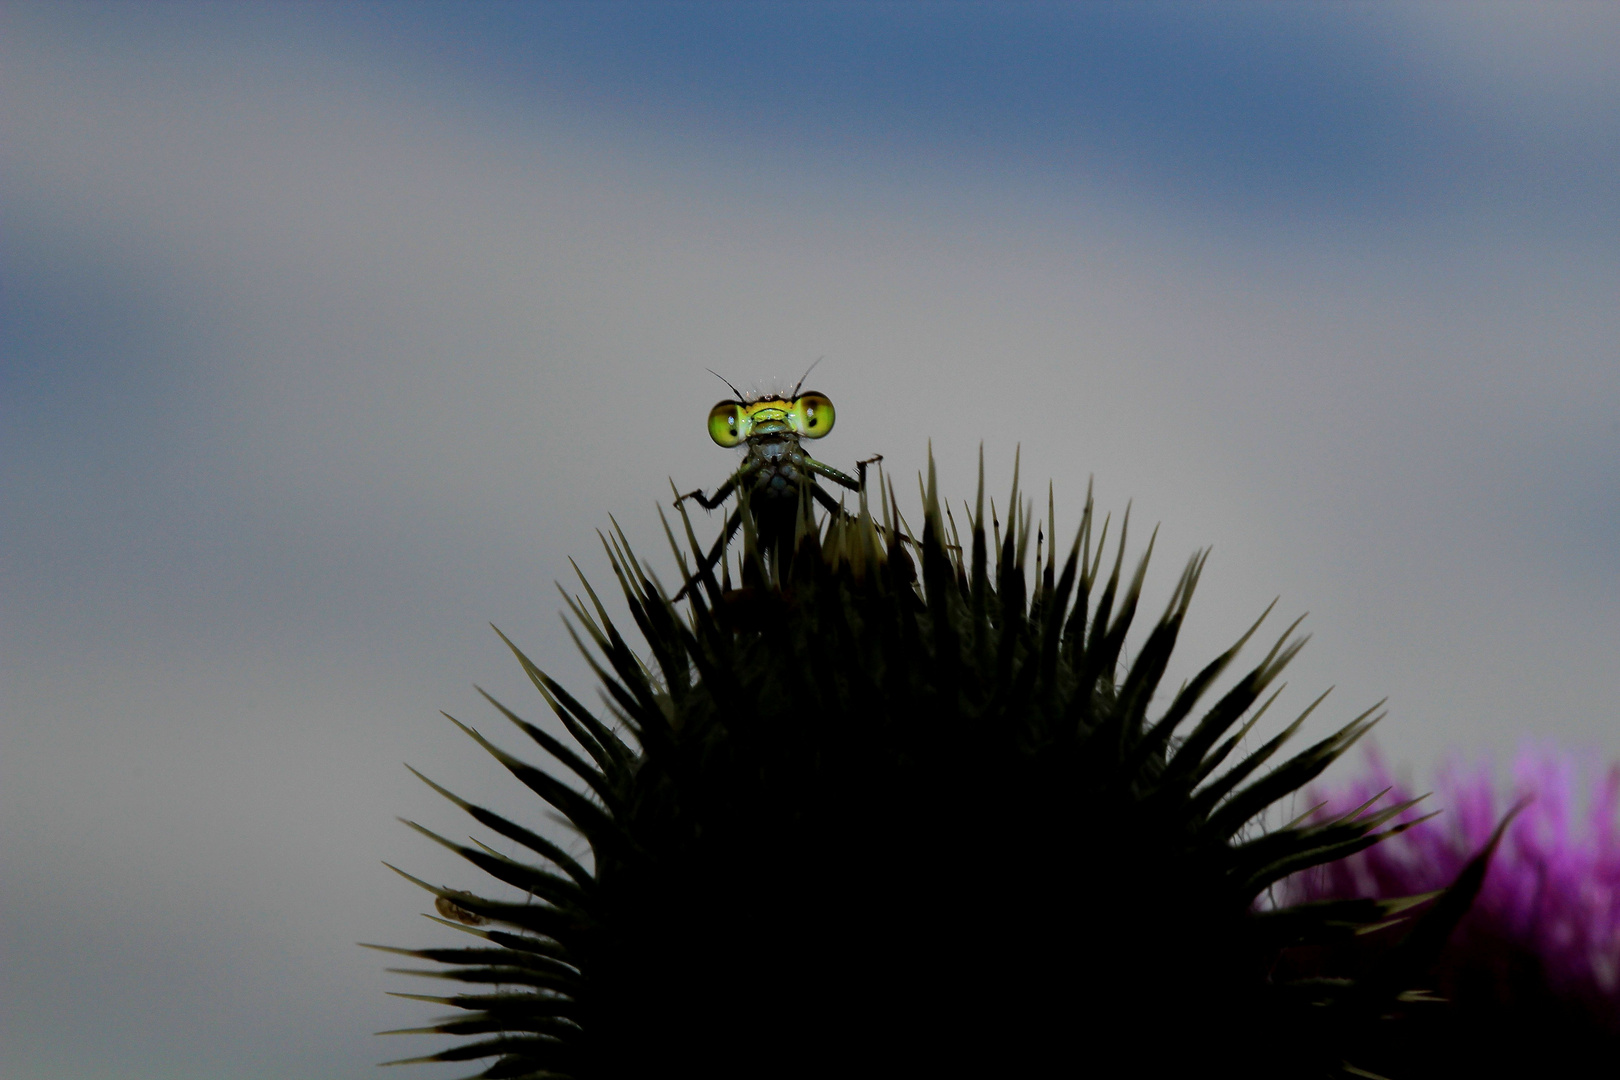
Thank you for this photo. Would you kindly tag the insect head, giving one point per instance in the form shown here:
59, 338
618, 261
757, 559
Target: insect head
809, 415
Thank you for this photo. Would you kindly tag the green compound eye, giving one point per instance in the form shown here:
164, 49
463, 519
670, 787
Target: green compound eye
813, 415
725, 423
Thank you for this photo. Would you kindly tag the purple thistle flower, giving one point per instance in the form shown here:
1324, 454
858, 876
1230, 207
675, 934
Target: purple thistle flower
1545, 929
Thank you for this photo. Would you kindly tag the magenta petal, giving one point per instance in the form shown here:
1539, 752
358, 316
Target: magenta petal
1553, 890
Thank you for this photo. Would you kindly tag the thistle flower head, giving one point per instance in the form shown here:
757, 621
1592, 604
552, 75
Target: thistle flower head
902, 805
1546, 923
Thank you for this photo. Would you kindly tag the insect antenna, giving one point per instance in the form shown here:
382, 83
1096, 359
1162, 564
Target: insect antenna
803, 377
727, 381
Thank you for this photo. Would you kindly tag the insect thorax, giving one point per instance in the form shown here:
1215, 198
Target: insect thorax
782, 467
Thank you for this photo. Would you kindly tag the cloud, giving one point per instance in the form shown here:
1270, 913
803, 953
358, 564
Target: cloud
322, 347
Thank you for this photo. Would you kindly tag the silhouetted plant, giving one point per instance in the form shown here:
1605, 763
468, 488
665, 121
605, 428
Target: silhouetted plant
846, 821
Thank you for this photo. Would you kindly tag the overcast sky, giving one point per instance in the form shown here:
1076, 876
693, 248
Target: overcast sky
328, 333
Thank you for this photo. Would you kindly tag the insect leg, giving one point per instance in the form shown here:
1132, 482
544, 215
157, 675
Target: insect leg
827, 501
860, 467
821, 468
705, 569
709, 502
833, 508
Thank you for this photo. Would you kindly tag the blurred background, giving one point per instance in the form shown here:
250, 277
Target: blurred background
329, 333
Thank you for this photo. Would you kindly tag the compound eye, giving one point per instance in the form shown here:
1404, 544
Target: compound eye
725, 423
813, 415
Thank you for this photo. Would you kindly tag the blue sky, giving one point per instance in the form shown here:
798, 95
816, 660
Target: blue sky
1244, 112
328, 333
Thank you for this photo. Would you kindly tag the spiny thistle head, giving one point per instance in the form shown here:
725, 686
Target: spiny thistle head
863, 817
